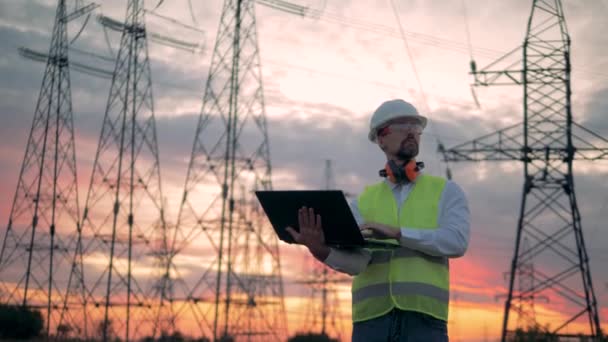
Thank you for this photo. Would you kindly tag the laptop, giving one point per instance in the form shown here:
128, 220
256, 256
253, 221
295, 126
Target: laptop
339, 225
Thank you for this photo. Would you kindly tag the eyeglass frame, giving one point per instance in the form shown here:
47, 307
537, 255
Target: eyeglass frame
413, 127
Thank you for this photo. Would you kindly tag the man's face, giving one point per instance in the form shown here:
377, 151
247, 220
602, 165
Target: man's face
400, 138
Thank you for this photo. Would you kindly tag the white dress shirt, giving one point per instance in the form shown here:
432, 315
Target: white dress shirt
450, 239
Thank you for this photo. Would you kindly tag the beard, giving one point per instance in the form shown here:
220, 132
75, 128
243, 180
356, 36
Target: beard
408, 150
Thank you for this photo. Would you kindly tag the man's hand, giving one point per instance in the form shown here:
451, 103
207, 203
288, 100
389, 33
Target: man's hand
379, 231
311, 233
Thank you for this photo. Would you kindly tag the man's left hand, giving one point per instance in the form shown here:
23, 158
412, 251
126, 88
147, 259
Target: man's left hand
379, 231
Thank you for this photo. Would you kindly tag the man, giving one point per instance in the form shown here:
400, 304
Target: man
399, 293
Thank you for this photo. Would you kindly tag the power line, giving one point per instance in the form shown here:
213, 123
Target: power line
425, 39
174, 21
419, 82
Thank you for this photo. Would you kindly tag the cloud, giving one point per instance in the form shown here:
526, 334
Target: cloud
596, 112
322, 81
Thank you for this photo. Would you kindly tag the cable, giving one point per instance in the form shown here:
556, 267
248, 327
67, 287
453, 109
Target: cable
192, 13
86, 21
472, 61
82, 52
376, 84
174, 21
466, 26
425, 39
107, 37
389, 31
417, 76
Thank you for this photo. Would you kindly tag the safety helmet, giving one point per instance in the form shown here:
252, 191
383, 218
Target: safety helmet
390, 110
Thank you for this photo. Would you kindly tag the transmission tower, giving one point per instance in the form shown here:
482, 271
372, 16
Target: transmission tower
525, 303
545, 144
323, 309
238, 293
123, 221
41, 237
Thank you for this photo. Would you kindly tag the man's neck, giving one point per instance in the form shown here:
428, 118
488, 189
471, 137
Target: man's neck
399, 162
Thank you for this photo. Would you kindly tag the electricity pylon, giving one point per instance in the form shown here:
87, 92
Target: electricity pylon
123, 221
525, 306
235, 289
43, 227
547, 143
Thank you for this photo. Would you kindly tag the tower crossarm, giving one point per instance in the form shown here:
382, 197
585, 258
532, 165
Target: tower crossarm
507, 144
118, 26
588, 144
505, 75
81, 11
84, 68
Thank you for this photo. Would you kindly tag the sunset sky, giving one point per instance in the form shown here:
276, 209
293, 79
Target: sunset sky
322, 79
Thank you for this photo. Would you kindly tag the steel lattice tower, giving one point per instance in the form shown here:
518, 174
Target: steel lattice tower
123, 234
524, 305
40, 239
545, 143
237, 288
323, 309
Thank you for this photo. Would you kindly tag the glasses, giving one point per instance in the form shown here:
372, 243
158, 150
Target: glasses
414, 128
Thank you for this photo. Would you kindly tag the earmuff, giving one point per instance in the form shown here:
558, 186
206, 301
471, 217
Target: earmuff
402, 174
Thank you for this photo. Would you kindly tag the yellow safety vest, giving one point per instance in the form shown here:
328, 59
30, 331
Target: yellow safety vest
402, 277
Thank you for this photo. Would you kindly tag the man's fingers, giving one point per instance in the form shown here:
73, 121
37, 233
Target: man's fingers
301, 220
295, 235
366, 226
318, 224
311, 218
369, 230
367, 233
303, 214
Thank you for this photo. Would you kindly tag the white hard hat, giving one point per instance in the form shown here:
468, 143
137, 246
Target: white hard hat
390, 110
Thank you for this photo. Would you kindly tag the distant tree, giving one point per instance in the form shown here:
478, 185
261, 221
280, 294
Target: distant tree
226, 338
63, 330
311, 337
175, 337
108, 327
534, 334
17, 322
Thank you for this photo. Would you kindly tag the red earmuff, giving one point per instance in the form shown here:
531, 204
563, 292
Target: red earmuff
411, 170
400, 174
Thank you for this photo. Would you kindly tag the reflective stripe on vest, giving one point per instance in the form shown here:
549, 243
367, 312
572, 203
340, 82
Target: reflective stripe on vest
402, 278
397, 289
382, 256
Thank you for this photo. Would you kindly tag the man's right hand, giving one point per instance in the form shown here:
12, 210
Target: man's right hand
311, 233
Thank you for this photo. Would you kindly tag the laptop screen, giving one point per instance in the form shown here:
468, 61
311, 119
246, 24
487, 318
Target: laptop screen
339, 225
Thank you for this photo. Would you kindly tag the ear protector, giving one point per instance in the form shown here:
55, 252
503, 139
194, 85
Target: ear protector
402, 174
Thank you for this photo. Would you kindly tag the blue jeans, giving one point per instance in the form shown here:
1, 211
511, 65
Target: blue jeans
401, 326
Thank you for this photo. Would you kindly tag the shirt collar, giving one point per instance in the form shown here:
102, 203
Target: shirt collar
394, 186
